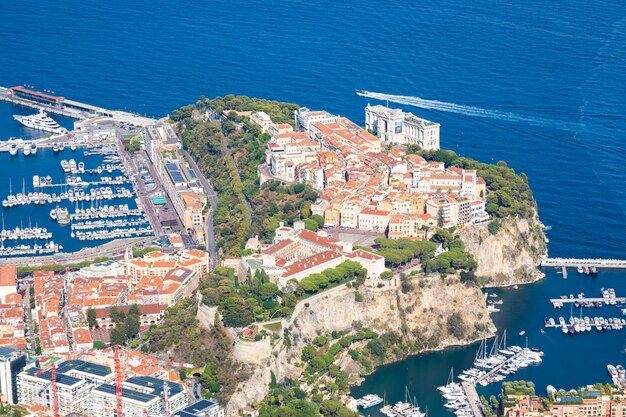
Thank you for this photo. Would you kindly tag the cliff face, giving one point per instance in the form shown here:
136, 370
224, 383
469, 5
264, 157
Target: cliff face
436, 313
511, 255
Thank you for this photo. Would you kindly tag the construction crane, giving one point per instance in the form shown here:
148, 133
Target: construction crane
53, 381
118, 383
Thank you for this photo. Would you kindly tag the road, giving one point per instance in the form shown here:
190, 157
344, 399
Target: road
212, 196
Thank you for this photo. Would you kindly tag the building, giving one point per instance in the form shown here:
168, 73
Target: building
141, 395
374, 220
306, 118
183, 188
8, 280
37, 96
298, 253
34, 387
202, 408
89, 388
396, 126
12, 362
263, 120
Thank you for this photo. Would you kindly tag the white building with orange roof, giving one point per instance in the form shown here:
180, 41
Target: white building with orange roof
297, 253
82, 339
405, 226
280, 128
306, 118
262, 119
373, 220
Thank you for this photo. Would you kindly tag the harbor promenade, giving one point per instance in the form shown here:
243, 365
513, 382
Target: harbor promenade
574, 262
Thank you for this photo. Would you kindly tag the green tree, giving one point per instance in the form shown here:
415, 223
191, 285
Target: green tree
116, 315
91, 318
268, 290
98, 344
237, 312
131, 326
118, 335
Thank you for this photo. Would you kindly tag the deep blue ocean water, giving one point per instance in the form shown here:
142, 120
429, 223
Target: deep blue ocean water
539, 85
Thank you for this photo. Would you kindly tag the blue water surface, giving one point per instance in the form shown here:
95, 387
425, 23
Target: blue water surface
539, 85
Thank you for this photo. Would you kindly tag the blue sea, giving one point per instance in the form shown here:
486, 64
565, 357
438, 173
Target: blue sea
539, 85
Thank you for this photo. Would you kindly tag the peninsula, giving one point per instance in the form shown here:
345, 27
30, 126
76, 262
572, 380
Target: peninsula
304, 252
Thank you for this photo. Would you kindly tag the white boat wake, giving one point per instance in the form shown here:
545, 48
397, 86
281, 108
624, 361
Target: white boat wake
472, 111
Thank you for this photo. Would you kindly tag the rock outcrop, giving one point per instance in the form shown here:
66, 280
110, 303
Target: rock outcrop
437, 312
510, 255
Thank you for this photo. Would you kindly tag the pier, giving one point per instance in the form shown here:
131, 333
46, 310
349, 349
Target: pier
589, 300
70, 108
574, 262
473, 399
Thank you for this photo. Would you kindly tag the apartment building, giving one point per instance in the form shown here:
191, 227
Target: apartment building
12, 362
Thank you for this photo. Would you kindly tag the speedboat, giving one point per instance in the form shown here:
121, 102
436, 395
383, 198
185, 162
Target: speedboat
13, 149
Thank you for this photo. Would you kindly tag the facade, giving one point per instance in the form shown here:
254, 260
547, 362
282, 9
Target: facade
374, 220
12, 362
396, 126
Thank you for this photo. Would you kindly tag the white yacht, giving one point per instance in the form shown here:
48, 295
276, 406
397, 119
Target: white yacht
33, 148
41, 121
13, 149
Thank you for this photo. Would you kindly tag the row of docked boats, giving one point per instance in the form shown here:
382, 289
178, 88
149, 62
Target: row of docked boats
41, 198
406, 408
618, 375
25, 233
106, 212
113, 234
48, 248
586, 324
71, 167
587, 270
456, 398
60, 146
109, 224
28, 148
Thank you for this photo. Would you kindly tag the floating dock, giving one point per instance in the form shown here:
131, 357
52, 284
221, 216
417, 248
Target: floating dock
574, 262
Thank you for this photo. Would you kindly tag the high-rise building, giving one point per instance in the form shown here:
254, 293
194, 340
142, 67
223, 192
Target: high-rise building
12, 362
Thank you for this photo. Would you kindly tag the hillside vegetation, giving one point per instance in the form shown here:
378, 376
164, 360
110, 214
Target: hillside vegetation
229, 152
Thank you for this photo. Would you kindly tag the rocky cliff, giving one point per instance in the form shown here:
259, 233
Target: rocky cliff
508, 252
437, 312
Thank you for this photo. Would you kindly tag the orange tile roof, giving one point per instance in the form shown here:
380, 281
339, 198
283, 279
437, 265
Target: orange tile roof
311, 261
8, 276
280, 245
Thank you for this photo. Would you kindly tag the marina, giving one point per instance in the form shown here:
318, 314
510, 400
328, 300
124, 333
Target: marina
90, 203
